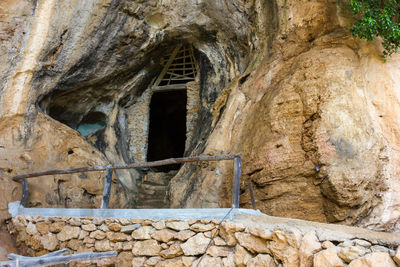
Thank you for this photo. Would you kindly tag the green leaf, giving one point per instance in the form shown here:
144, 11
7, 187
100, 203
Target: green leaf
375, 18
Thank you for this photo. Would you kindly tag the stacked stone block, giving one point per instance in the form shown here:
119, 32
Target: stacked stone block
144, 242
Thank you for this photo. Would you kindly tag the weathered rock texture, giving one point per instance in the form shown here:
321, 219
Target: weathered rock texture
233, 243
314, 111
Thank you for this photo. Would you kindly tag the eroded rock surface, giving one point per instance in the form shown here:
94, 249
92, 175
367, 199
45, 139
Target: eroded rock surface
314, 111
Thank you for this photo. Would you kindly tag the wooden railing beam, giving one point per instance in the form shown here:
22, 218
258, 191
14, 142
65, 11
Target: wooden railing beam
129, 166
109, 168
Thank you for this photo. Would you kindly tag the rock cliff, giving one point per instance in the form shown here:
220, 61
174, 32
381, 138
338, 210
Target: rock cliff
314, 111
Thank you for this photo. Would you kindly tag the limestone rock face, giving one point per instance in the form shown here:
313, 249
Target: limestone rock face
314, 111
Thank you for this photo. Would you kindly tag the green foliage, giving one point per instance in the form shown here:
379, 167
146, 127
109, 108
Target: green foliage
377, 18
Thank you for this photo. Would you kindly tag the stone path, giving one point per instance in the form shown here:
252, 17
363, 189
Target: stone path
153, 190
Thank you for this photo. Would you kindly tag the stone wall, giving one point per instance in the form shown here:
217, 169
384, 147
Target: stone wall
138, 116
138, 126
144, 242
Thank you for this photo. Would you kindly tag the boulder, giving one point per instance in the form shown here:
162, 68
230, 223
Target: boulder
309, 246
285, 246
128, 229
98, 235
143, 233
252, 243
31, 229
200, 227
159, 224
217, 251
396, 257
261, 260
103, 245
347, 254
188, 260
173, 251
195, 245
146, 248
184, 235
49, 241
124, 259
43, 227
68, 232
116, 227
117, 236
328, 258
178, 226
138, 261
56, 227
374, 259
242, 256
206, 261
260, 232
177, 262
89, 227
164, 235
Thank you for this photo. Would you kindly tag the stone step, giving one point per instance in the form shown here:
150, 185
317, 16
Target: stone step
146, 190
152, 204
153, 190
159, 178
147, 186
142, 196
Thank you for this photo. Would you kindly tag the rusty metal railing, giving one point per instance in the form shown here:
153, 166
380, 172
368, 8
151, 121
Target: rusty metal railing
111, 167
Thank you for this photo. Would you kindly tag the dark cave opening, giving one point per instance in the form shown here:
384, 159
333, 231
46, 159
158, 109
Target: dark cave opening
167, 127
92, 122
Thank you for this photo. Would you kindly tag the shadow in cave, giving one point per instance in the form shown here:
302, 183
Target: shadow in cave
167, 128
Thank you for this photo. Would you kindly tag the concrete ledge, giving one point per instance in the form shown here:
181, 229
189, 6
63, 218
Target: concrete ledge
247, 217
15, 209
324, 231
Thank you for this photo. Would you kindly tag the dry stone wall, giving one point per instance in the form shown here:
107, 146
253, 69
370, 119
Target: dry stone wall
145, 242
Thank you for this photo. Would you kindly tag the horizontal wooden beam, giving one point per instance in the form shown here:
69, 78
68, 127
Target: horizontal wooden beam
51, 260
13, 256
130, 165
167, 88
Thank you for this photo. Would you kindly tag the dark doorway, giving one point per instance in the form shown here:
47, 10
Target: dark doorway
167, 129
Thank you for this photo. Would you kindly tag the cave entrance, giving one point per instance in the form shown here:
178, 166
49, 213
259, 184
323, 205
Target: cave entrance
167, 127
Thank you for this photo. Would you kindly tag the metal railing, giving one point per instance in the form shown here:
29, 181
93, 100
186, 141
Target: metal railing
111, 167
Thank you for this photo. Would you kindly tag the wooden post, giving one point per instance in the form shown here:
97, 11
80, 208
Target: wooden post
236, 181
24, 192
107, 189
253, 200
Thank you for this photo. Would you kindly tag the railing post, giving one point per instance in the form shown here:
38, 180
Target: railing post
107, 189
24, 192
236, 181
253, 200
